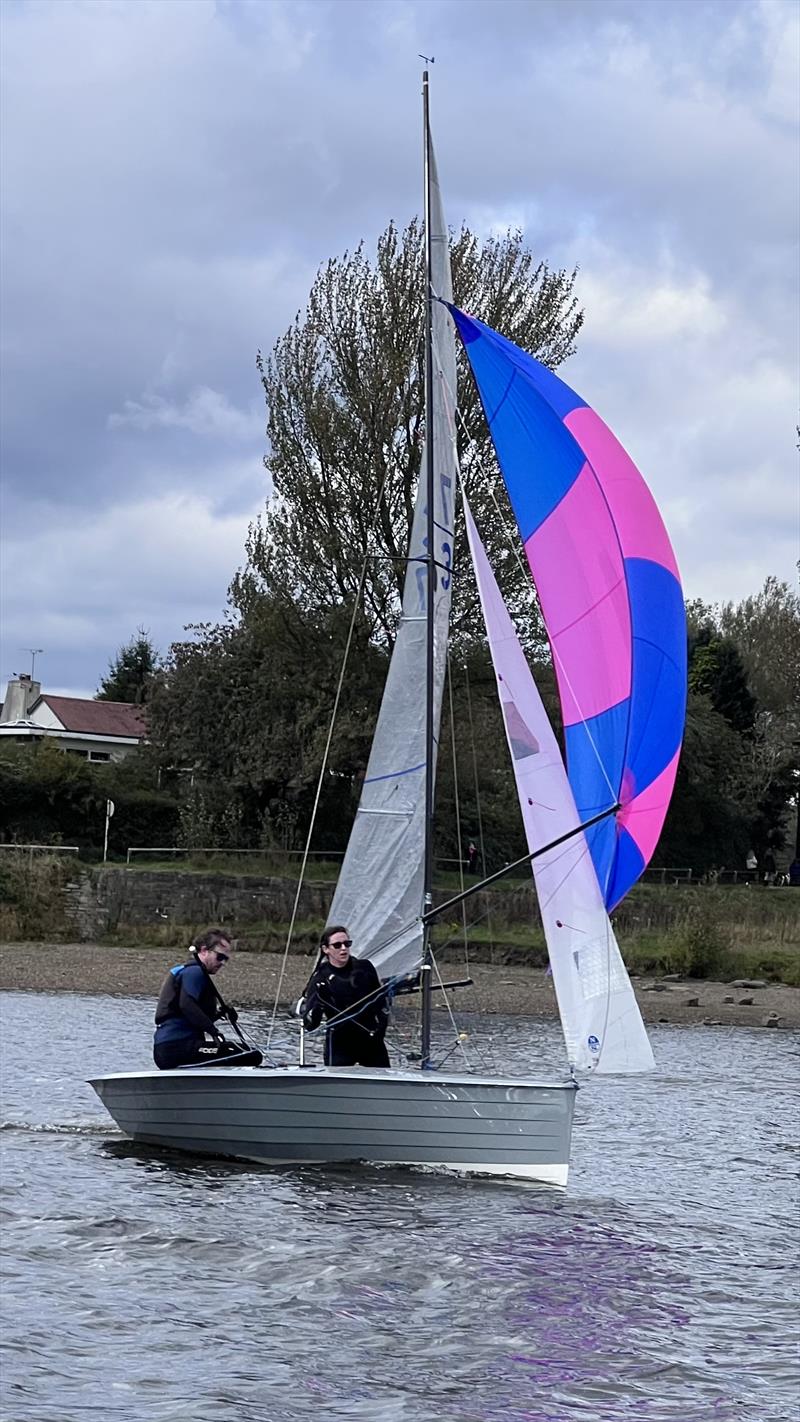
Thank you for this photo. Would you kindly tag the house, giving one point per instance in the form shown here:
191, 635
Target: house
95, 730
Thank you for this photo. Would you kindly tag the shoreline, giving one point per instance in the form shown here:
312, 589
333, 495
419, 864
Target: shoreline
251, 981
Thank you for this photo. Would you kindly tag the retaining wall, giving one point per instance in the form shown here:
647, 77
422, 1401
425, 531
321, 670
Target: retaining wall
101, 900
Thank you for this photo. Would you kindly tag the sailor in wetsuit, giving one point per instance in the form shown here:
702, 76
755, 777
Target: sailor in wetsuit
188, 1006
337, 986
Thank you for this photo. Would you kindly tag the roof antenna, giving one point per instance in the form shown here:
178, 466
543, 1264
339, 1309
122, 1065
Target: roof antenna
34, 651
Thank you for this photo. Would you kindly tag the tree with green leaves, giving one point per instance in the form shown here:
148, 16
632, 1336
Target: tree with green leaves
344, 393
716, 670
242, 709
738, 774
709, 823
766, 631
132, 672
47, 797
241, 714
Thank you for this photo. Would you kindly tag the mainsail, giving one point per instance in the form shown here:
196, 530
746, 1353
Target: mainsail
610, 594
379, 896
602, 1025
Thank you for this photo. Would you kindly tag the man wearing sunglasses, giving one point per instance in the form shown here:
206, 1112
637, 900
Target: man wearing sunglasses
348, 993
188, 1006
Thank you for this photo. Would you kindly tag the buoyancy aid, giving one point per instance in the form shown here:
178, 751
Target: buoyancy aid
169, 996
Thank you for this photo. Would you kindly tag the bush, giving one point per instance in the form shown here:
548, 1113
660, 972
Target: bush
31, 895
49, 797
142, 817
703, 942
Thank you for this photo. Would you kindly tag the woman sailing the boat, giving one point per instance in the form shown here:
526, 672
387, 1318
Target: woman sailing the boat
348, 993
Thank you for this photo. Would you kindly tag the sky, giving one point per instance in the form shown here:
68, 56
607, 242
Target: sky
174, 172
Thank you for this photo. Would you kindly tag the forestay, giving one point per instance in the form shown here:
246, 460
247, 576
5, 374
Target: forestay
379, 896
602, 1025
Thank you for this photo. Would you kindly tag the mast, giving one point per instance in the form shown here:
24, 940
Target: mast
425, 1042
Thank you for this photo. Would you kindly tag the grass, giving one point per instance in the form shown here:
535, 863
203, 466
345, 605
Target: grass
745, 914
255, 866
654, 955
278, 866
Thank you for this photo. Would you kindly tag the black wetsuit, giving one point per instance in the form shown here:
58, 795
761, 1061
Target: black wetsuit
187, 1010
331, 991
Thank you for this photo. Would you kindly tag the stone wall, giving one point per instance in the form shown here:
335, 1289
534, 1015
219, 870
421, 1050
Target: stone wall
86, 917
101, 900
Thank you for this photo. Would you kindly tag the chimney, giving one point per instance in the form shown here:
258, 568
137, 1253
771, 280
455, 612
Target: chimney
20, 696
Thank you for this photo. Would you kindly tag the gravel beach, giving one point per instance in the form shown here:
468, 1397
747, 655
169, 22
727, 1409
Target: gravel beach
251, 980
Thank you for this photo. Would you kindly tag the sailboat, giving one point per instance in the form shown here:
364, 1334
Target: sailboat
610, 595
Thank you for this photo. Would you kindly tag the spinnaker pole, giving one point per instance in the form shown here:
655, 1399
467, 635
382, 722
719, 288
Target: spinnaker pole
427, 965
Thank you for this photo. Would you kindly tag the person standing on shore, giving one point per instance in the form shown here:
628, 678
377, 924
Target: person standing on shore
189, 1006
347, 988
770, 869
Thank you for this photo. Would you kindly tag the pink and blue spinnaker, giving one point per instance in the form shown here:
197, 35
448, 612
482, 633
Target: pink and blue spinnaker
610, 594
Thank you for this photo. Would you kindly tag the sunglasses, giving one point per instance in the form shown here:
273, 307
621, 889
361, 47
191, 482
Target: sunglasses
345, 943
223, 957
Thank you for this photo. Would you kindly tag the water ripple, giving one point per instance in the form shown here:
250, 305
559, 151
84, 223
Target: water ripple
141, 1284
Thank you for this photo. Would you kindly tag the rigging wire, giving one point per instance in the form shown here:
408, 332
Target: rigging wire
478, 812
450, 405
457, 809
458, 1039
323, 770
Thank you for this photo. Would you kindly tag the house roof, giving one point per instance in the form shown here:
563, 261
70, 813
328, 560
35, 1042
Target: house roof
97, 718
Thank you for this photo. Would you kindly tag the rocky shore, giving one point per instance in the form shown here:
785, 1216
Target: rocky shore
251, 980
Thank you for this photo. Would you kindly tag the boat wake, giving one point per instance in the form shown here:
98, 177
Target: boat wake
60, 1128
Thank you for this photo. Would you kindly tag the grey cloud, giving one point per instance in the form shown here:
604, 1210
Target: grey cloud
205, 412
174, 174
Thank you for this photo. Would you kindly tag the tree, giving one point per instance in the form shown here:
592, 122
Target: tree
241, 716
344, 393
737, 774
708, 824
717, 671
131, 673
766, 631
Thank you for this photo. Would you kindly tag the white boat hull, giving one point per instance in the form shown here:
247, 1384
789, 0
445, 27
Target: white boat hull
307, 1115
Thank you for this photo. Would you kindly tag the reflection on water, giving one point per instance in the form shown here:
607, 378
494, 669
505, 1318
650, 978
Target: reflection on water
147, 1285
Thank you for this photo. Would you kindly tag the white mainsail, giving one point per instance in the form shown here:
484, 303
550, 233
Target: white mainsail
602, 1024
379, 896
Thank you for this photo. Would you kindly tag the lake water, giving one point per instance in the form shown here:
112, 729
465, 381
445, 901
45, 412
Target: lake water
662, 1287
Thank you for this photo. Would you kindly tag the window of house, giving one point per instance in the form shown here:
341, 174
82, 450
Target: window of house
99, 755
